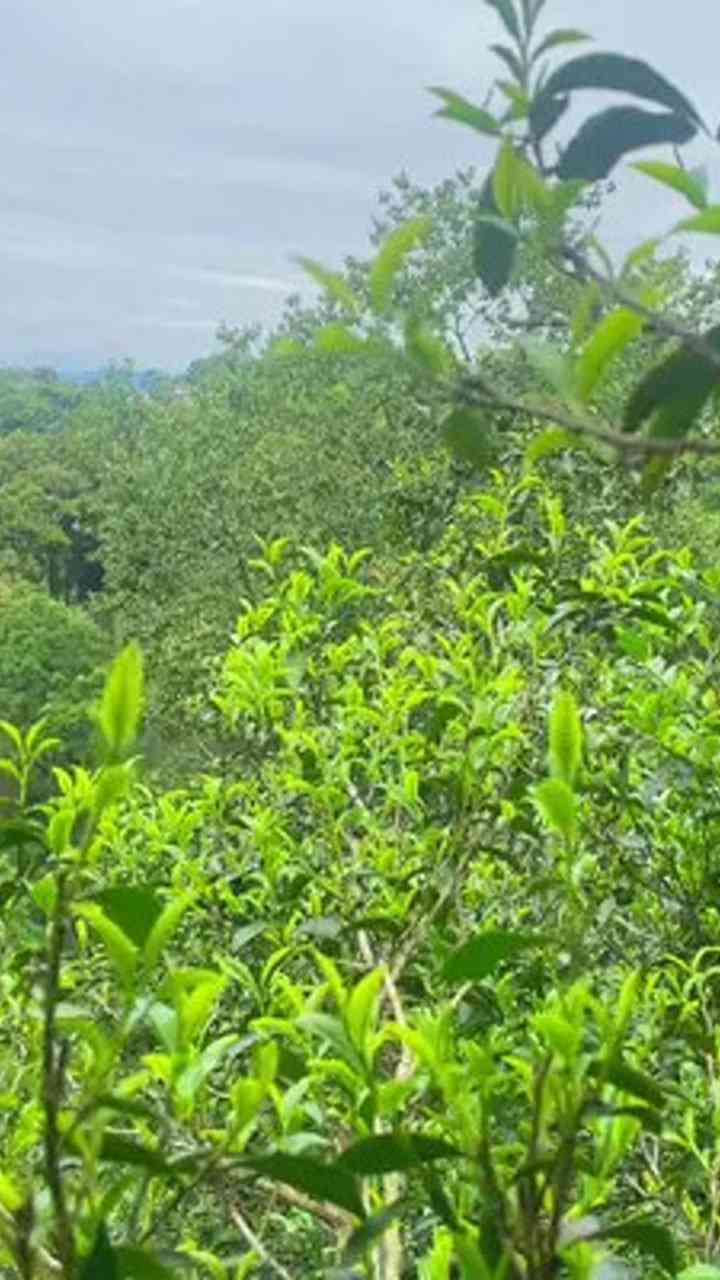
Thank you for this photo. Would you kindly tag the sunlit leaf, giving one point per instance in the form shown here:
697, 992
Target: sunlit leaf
708, 221
121, 703
565, 737
558, 806
680, 180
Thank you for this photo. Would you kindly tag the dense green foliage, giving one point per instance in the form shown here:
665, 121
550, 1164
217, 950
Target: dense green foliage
361, 917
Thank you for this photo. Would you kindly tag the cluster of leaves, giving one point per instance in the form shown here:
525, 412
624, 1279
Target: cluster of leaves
422, 971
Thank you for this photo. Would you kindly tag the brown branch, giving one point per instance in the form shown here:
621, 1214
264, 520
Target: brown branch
53, 1079
658, 323
476, 394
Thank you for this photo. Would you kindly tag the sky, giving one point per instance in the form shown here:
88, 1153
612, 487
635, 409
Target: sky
163, 160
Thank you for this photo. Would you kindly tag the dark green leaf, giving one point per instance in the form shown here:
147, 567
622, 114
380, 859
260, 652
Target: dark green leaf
614, 71
118, 1149
495, 245
133, 909
467, 433
136, 1264
371, 1230
647, 1236
101, 1263
545, 112
322, 1181
630, 1080
609, 135
480, 956
506, 11
390, 1152
510, 58
678, 387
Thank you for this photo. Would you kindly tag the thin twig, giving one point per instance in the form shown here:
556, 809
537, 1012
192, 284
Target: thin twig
476, 394
257, 1245
661, 324
53, 1079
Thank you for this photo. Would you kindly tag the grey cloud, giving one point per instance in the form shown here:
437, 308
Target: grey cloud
166, 145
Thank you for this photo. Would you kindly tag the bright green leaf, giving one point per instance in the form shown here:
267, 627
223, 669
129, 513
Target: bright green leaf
613, 334
396, 248
671, 175
122, 700
557, 804
463, 112
335, 286
565, 737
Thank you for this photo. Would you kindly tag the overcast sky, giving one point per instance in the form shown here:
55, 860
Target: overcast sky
162, 160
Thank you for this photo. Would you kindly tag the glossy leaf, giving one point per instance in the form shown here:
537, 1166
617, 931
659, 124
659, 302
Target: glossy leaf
614, 71
121, 703
552, 441
391, 1152
606, 137
479, 957
464, 112
324, 1182
671, 175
